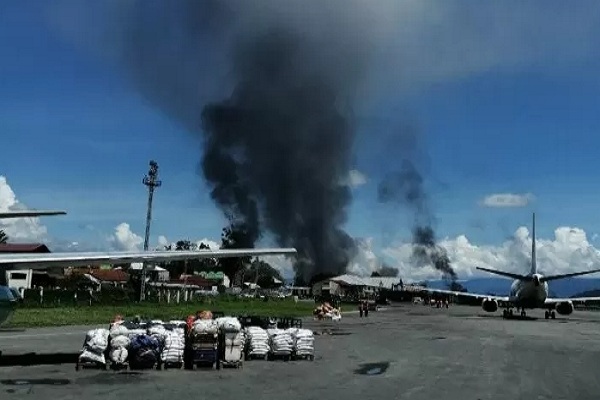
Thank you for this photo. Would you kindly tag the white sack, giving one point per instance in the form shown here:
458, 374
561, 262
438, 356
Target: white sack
229, 324
118, 354
96, 340
205, 326
118, 330
89, 356
120, 341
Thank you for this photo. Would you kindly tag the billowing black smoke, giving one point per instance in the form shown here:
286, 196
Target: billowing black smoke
406, 187
278, 137
280, 145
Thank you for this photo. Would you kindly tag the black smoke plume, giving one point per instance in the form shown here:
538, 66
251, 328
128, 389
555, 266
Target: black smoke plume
279, 136
406, 187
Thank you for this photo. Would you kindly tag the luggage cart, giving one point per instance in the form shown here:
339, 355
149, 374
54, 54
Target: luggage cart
231, 355
92, 364
201, 350
171, 364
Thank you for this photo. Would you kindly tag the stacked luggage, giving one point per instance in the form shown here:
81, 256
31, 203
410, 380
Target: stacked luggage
257, 342
119, 343
232, 341
280, 344
303, 343
144, 352
202, 344
94, 349
174, 345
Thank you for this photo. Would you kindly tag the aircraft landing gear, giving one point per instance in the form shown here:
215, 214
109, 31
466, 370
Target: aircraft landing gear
550, 314
523, 313
507, 313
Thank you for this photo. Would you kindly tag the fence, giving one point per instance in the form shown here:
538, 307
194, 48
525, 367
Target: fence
34, 298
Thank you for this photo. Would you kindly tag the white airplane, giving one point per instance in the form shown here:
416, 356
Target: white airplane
527, 291
9, 296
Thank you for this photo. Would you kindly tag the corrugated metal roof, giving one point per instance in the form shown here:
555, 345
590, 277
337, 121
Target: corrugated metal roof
23, 248
379, 281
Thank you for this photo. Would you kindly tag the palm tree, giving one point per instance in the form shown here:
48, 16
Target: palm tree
3, 236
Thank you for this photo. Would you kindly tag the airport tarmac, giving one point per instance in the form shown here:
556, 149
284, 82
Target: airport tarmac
408, 352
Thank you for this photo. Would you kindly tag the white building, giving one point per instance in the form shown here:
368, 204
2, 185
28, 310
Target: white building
352, 284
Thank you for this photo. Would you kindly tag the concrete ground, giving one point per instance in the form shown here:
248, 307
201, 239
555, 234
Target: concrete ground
408, 352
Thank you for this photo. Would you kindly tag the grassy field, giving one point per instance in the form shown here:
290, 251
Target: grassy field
43, 317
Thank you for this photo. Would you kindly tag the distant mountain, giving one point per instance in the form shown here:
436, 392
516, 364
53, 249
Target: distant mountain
500, 286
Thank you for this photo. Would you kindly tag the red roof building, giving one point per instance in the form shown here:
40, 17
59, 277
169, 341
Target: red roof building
24, 248
110, 275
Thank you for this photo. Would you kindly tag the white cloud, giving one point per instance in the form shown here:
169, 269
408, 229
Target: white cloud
124, 239
568, 251
507, 200
18, 229
354, 179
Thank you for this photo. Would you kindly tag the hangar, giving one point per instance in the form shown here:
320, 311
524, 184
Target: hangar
352, 285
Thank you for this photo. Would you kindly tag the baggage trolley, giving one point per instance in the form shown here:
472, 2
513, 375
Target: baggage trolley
92, 364
231, 355
201, 350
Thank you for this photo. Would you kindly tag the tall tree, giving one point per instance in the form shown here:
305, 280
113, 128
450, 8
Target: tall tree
176, 268
235, 236
263, 274
3, 236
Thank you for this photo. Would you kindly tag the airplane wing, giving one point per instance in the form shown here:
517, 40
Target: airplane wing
29, 213
45, 260
574, 299
562, 276
480, 296
506, 274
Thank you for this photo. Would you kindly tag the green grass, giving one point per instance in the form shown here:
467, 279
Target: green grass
88, 315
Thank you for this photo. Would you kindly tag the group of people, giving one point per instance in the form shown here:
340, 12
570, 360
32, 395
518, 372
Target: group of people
363, 308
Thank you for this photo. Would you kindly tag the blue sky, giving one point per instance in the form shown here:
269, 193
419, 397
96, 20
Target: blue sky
78, 136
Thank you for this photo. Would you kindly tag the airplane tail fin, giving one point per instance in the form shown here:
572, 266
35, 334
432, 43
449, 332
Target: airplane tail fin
533, 248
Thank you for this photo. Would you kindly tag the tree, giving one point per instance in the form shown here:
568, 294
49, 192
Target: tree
235, 236
177, 268
263, 274
375, 274
3, 237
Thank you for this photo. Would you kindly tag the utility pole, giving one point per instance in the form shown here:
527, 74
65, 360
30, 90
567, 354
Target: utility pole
151, 181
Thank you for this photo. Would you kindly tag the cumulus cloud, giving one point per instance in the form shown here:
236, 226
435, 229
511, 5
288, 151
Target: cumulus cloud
124, 239
568, 251
507, 200
18, 229
354, 179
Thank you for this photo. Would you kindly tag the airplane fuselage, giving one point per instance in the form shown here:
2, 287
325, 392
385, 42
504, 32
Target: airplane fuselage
529, 294
8, 304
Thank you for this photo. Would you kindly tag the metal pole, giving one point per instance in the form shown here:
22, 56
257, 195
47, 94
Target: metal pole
152, 182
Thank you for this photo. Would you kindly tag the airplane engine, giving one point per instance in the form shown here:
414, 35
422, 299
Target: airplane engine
489, 305
565, 308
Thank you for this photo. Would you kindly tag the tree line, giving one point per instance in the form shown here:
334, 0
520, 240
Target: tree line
237, 269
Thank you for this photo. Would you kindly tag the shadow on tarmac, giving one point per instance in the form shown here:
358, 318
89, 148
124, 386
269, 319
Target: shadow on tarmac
30, 359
